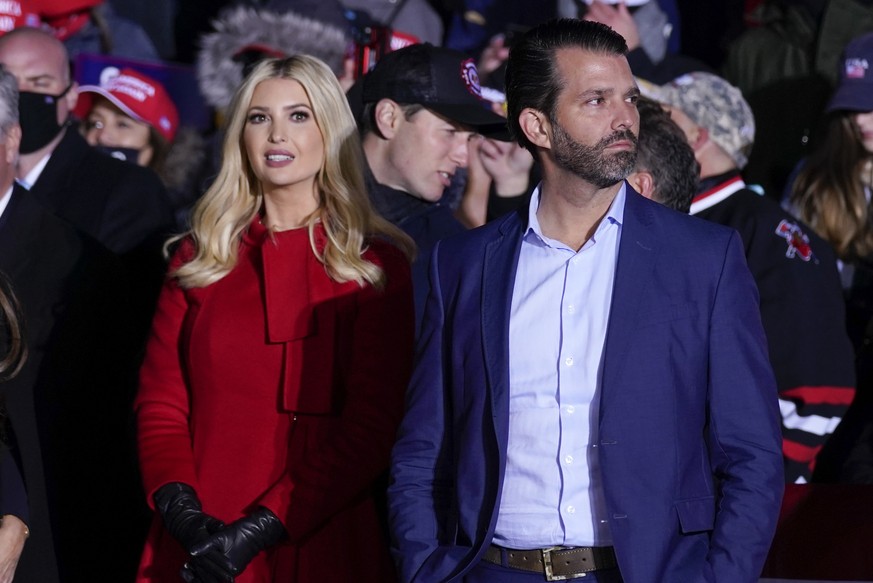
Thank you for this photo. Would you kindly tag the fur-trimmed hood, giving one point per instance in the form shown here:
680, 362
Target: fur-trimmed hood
239, 27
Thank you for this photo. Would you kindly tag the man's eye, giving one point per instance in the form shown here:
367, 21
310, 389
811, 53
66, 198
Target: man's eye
94, 124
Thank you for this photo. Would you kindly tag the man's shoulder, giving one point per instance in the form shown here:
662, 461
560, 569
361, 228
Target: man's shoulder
118, 172
47, 238
768, 229
673, 225
508, 225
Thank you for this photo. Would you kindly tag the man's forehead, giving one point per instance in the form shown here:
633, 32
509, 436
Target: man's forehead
587, 74
455, 124
29, 56
576, 63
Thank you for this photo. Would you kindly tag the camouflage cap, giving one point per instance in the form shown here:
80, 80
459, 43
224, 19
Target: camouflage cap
714, 104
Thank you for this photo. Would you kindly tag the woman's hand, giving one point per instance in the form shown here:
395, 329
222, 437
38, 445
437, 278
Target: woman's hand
227, 553
13, 533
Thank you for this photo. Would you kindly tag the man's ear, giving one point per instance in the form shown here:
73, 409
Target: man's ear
13, 140
642, 182
387, 115
536, 127
699, 137
72, 96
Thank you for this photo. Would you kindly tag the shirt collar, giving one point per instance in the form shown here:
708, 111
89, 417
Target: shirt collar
28, 181
614, 215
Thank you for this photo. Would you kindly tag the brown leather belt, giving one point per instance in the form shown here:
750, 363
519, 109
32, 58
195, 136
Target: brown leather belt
556, 563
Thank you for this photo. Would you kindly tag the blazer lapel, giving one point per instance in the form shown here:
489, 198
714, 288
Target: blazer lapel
498, 279
633, 273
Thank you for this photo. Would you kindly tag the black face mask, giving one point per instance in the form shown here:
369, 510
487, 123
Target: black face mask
124, 154
38, 116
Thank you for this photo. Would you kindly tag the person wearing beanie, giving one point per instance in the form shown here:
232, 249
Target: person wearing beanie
795, 270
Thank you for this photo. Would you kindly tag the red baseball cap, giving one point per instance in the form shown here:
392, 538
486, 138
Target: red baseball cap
65, 18
51, 8
137, 95
17, 13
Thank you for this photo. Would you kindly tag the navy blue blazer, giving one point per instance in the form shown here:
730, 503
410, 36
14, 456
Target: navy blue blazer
689, 423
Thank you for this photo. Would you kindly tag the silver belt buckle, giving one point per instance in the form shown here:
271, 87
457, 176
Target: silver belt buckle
547, 563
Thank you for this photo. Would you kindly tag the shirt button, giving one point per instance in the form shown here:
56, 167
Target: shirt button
569, 361
569, 459
571, 309
571, 409
571, 509
575, 261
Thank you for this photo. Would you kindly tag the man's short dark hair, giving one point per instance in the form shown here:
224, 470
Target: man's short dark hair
663, 151
533, 80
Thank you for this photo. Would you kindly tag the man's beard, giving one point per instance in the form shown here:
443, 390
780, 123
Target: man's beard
590, 162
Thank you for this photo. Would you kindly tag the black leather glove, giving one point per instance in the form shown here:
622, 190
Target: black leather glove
225, 554
182, 513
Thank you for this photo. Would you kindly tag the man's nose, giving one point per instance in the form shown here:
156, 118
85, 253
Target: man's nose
626, 116
460, 153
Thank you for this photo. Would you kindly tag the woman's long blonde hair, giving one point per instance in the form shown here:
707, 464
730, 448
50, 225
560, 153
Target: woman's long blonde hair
229, 206
829, 193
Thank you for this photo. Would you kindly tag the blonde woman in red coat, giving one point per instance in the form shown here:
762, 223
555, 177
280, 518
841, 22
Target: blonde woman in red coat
275, 374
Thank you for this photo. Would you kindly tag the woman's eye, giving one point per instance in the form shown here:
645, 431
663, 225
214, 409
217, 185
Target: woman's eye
256, 118
299, 116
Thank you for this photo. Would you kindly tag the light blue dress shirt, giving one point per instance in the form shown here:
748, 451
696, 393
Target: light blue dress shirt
552, 492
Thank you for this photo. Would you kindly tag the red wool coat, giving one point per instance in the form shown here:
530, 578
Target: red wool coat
278, 387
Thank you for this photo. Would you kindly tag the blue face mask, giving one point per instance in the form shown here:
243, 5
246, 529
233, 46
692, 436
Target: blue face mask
38, 116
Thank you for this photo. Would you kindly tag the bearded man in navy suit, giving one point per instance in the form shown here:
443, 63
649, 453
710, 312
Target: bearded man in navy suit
592, 397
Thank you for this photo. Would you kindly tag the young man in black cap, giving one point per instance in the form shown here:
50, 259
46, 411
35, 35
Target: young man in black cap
422, 107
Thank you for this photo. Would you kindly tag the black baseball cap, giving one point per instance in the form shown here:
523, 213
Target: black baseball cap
443, 80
